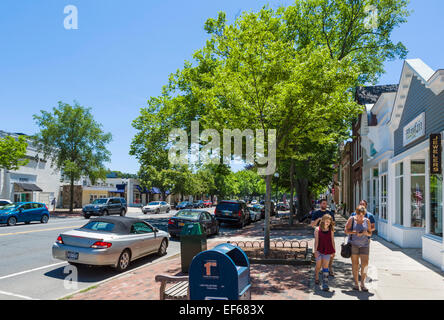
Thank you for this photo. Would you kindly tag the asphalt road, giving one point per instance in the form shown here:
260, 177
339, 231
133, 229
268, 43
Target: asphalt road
28, 271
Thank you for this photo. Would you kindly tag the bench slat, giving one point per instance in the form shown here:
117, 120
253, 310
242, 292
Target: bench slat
177, 288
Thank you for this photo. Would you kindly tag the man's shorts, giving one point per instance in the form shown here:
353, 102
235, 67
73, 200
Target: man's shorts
323, 256
360, 250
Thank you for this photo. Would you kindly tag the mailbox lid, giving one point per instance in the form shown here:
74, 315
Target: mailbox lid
237, 255
191, 229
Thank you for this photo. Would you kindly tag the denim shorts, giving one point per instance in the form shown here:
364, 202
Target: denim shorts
323, 256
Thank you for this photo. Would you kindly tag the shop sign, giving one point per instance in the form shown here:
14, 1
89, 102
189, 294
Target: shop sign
414, 130
435, 153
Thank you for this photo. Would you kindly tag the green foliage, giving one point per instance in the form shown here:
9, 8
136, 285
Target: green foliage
13, 152
73, 141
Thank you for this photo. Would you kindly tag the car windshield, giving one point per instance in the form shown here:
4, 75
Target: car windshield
99, 226
153, 203
188, 214
100, 201
183, 202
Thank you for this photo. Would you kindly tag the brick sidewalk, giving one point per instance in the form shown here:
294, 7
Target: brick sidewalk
269, 282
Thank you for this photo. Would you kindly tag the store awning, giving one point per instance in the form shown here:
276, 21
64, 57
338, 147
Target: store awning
26, 187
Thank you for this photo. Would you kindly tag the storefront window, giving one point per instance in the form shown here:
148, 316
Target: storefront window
436, 205
399, 186
417, 198
384, 197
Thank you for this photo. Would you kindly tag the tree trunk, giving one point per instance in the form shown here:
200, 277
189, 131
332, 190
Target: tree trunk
71, 200
268, 180
303, 196
292, 211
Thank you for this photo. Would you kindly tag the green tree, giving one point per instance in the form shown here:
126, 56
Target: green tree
13, 152
74, 142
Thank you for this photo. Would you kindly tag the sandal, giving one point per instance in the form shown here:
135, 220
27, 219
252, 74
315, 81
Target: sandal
316, 281
356, 288
364, 288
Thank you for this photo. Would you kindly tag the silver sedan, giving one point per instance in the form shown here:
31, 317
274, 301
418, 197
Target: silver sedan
110, 241
156, 207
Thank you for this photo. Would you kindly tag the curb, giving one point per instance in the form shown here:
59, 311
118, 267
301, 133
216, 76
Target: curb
117, 276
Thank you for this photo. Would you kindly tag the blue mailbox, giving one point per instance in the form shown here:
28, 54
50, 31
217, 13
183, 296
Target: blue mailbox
222, 273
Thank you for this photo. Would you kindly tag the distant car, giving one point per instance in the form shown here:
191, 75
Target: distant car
255, 214
184, 205
272, 207
207, 203
105, 207
198, 204
156, 207
259, 208
110, 241
253, 202
4, 202
26, 212
207, 220
283, 206
232, 212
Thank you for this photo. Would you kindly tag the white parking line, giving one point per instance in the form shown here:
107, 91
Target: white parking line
31, 270
16, 295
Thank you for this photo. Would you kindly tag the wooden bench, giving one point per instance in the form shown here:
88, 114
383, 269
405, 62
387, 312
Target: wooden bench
177, 291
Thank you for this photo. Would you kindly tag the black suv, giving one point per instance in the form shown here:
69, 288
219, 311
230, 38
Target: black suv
105, 207
232, 212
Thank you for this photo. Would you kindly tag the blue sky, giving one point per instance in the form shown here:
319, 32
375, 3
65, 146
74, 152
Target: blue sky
124, 51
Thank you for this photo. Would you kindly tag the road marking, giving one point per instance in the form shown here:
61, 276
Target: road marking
16, 295
40, 230
31, 270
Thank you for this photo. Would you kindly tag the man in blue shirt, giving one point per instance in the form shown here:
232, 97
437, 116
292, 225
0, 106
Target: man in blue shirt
316, 217
368, 215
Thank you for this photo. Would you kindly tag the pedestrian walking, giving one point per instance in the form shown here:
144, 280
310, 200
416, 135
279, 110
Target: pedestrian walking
324, 247
368, 214
359, 229
53, 203
316, 218
333, 206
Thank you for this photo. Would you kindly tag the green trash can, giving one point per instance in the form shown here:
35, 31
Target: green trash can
192, 241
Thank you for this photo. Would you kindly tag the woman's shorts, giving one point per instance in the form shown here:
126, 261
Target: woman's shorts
323, 256
360, 250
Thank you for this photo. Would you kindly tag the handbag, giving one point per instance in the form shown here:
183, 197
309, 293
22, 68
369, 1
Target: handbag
346, 248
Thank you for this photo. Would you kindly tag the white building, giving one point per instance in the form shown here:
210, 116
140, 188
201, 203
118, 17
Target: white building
36, 181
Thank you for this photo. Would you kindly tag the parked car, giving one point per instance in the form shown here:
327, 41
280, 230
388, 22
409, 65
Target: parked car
255, 214
272, 207
4, 202
184, 205
110, 241
105, 206
26, 212
207, 220
198, 204
207, 203
232, 212
253, 202
259, 208
156, 207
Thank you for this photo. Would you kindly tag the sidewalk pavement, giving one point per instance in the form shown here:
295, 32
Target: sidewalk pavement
394, 273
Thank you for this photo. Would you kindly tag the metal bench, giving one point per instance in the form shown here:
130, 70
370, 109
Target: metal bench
177, 291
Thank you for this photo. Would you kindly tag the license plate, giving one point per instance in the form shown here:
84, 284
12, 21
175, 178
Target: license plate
226, 213
72, 255
181, 224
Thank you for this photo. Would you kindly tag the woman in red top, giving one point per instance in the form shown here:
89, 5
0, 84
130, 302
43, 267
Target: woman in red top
324, 247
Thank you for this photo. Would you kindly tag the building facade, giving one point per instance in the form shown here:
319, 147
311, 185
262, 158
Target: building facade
36, 181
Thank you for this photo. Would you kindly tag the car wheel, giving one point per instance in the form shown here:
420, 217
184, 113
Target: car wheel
12, 221
157, 211
124, 261
163, 248
44, 219
122, 213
